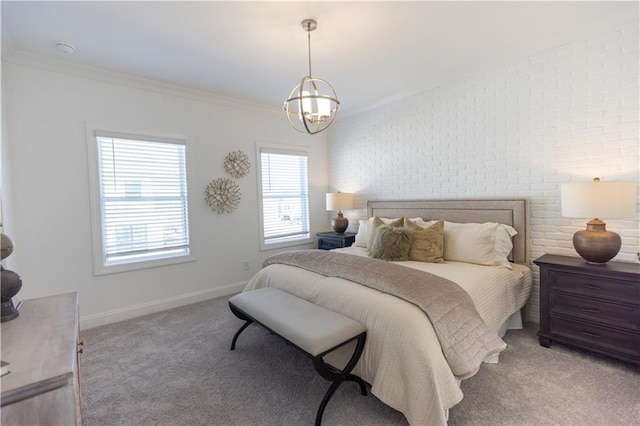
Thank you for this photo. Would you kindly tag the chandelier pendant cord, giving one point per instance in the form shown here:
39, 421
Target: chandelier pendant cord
313, 83
309, 49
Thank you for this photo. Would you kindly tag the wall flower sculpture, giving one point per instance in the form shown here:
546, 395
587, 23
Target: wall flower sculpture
222, 195
237, 164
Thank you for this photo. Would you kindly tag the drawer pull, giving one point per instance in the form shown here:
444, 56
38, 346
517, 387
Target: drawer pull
590, 334
591, 310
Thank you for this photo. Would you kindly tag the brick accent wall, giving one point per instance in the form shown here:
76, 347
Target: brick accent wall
564, 115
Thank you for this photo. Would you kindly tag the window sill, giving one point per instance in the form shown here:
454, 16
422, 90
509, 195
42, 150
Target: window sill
285, 244
145, 264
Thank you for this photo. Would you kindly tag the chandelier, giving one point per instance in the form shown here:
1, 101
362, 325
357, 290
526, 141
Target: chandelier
312, 105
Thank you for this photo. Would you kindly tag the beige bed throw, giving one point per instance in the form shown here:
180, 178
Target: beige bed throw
465, 339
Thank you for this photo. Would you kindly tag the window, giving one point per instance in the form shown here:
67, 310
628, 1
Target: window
140, 204
284, 197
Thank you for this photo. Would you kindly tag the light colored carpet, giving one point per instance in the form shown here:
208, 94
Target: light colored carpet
175, 368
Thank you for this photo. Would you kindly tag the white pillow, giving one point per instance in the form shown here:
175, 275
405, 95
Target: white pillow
480, 243
504, 242
364, 231
421, 222
416, 220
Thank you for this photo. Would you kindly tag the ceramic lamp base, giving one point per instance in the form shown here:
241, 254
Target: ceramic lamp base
596, 244
11, 285
340, 223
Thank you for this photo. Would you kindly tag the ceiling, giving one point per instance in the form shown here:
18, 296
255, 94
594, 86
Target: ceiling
371, 52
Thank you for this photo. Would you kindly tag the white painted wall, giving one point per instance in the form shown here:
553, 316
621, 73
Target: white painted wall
47, 192
520, 130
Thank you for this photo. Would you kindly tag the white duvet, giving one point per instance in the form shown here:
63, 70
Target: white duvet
402, 359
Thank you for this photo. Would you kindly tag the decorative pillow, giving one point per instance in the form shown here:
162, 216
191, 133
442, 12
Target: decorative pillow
365, 229
391, 243
480, 243
376, 222
428, 243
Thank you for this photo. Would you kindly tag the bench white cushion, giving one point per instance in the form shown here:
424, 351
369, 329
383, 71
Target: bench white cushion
310, 327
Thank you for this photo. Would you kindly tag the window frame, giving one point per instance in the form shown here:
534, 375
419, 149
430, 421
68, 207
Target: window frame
283, 149
100, 267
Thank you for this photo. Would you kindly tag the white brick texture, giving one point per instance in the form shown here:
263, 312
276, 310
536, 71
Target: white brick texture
564, 115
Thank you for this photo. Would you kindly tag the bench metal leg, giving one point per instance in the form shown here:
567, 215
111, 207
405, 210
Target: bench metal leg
337, 376
235, 337
325, 400
242, 316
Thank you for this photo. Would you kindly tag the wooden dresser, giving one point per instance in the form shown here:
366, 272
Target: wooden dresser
594, 307
41, 346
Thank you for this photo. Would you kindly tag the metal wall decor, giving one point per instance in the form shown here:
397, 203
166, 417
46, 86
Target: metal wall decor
237, 164
222, 195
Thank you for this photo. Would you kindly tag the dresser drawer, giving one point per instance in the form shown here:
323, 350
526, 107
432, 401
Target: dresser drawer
596, 336
612, 314
594, 286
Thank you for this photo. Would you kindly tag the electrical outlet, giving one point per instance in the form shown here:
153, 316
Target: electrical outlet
245, 265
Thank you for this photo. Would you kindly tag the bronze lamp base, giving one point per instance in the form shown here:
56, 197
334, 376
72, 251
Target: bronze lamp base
596, 244
340, 223
11, 285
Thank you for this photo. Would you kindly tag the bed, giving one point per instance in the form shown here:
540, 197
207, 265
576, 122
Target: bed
405, 359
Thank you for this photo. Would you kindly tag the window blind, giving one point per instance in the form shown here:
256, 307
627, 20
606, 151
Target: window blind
285, 195
143, 199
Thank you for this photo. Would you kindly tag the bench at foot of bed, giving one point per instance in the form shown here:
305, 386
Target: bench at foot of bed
314, 330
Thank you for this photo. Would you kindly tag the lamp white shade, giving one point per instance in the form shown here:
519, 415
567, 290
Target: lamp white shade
339, 201
605, 200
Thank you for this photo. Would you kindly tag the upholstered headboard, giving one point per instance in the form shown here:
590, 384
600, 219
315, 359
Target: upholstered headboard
513, 212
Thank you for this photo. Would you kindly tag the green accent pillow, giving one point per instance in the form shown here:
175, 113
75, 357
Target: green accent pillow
391, 243
428, 243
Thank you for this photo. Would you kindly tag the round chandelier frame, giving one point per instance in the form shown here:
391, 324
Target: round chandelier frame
312, 104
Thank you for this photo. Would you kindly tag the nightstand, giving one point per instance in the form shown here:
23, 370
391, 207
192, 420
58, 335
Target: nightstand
593, 307
332, 240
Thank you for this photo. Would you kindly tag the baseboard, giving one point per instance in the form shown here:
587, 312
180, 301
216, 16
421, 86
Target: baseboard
122, 314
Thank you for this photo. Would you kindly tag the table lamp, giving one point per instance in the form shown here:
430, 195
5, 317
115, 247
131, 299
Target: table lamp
598, 200
339, 201
10, 281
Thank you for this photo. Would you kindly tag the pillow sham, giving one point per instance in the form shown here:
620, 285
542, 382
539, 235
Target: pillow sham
428, 242
364, 232
504, 242
391, 243
480, 243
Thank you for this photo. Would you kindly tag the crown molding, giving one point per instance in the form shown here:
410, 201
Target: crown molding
123, 79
